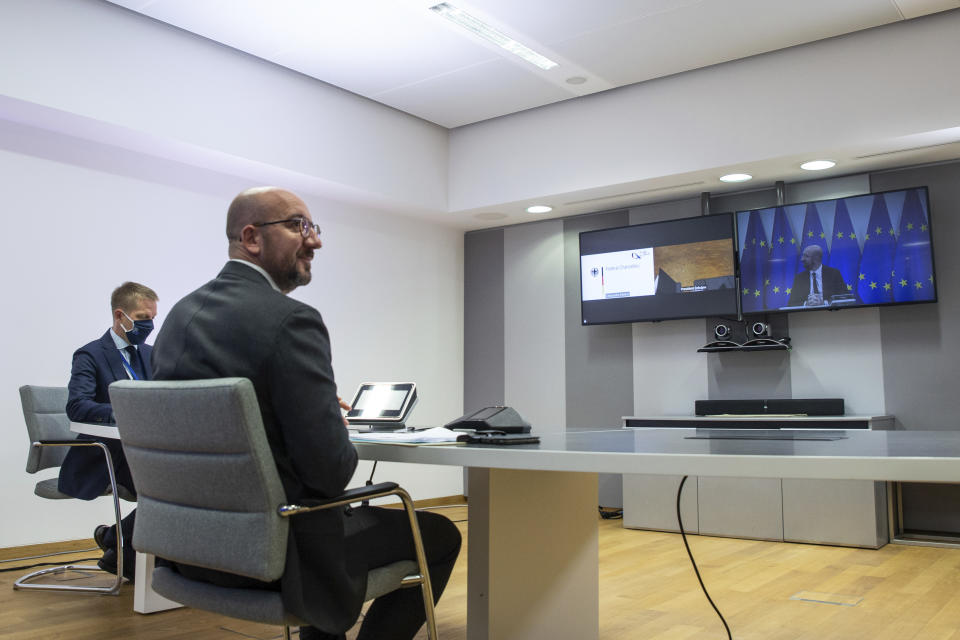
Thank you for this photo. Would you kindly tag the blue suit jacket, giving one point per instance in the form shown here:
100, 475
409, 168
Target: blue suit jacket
83, 473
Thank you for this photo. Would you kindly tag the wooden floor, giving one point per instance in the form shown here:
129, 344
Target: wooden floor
767, 591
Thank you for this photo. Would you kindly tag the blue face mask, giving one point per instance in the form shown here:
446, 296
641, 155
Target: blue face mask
141, 329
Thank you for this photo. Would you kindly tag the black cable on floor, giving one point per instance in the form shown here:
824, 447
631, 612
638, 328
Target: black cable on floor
47, 564
611, 514
683, 534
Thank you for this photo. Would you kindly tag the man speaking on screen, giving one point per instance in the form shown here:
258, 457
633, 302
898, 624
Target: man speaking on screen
814, 286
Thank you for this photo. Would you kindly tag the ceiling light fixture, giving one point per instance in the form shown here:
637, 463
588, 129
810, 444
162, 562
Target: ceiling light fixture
736, 177
539, 208
483, 30
818, 165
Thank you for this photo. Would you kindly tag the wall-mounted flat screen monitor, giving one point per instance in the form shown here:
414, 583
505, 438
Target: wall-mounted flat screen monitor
857, 251
658, 271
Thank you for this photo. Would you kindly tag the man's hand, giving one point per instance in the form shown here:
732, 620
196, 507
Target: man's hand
346, 407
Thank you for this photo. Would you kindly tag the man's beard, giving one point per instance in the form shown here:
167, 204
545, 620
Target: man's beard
293, 276
288, 275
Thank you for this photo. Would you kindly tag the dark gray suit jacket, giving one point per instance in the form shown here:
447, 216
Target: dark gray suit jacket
237, 325
96, 365
833, 284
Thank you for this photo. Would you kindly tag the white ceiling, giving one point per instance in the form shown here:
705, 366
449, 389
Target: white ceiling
399, 53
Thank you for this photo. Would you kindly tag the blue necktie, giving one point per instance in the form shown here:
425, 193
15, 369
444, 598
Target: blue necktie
134, 362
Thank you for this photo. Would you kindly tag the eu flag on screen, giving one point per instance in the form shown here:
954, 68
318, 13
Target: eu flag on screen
783, 261
844, 247
874, 284
813, 232
913, 260
753, 265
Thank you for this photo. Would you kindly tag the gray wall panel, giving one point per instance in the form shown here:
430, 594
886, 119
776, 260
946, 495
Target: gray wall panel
533, 323
748, 375
921, 344
483, 323
668, 373
686, 208
832, 188
837, 354
599, 374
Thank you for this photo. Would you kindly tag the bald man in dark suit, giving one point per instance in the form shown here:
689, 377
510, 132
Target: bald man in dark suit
242, 324
814, 286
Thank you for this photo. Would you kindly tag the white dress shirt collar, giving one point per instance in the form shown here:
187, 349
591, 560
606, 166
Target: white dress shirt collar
119, 341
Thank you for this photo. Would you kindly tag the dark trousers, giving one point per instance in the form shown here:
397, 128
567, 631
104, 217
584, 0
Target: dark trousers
382, 536
126, 526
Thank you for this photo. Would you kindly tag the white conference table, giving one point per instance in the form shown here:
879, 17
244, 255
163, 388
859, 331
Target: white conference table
145, 599
533, 557
533, 564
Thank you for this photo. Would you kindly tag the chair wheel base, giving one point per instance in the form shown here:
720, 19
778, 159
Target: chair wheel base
23, 583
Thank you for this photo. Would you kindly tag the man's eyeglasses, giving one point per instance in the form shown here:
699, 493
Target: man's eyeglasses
305, 225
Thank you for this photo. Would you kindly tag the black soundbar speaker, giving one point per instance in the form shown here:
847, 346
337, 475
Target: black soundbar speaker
780, 406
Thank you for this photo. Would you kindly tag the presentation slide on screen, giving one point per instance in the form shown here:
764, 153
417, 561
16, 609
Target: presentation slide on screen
672, 269
619, 274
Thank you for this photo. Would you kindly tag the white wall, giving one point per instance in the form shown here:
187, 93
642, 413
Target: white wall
99, 71
80, 218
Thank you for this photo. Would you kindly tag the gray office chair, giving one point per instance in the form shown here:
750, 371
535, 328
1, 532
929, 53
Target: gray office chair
44, 412
181, 436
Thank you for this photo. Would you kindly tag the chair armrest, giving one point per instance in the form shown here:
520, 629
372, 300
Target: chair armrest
86, 443
357, 494
378, 491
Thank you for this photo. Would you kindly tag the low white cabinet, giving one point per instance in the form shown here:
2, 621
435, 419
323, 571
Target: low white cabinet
838, 512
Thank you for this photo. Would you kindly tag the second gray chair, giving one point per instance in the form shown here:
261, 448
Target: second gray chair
210, 496
45, 414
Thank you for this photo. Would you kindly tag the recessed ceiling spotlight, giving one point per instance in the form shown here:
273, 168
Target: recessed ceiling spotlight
736, 177
818, 165
539, 208
576, 80
481, 29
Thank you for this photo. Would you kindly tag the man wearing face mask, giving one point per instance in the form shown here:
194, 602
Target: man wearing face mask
119, 354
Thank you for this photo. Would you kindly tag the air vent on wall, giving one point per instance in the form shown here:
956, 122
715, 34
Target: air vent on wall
635, 193
887, 153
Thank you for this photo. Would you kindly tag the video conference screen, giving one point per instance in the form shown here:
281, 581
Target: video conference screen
658, 271
865, 250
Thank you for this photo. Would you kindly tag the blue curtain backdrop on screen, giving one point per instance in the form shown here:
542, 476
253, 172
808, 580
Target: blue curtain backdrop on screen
784, 261
844, 249
875, 284
912, 263
753, 265
813, 232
